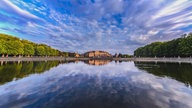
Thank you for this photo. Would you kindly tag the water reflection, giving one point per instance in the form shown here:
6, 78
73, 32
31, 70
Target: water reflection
97, 62
15, 70
10, 71
180, 72
114, 85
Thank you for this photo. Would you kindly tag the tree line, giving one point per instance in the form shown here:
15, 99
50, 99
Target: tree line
13, 46
177, 47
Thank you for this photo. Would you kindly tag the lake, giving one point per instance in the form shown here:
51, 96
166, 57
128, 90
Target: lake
95, 84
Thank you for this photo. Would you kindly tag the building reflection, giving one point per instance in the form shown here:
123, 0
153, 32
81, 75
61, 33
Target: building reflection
97, 62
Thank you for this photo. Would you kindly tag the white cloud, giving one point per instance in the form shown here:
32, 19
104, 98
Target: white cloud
173, 8
6, 4
114, 25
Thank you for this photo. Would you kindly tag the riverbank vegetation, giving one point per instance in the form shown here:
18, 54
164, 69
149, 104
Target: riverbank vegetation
13, 46
174, 48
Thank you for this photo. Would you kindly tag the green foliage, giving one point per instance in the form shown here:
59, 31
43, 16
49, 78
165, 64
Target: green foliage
28, 49
14, 46
2, 47
185, 46
7, 37
65, 54
126, 56
178, 47
40, 51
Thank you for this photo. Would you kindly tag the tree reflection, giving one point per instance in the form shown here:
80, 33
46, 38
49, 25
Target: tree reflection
180, 72
14, 70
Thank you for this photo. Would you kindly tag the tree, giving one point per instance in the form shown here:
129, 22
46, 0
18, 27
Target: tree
65, 54
177, 47
2, 47
28, 49
40, 50
10, 45
14, 47
48, 50
185, 46
120, 55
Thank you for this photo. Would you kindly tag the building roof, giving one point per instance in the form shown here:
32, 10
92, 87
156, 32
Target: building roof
97, 51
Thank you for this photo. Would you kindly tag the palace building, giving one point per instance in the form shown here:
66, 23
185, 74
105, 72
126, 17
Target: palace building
97, 54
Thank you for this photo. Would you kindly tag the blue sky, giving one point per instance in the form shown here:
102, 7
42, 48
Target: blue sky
117, 26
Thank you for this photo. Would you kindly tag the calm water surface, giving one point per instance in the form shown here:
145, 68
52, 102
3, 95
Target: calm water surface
95, 84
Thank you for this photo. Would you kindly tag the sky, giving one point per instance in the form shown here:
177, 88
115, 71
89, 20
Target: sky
116, 26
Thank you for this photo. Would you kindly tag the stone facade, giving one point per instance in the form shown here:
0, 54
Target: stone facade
77, 55
95, 54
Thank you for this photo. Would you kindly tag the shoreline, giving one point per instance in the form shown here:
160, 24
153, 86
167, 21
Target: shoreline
165, 60
141, 59
41, 59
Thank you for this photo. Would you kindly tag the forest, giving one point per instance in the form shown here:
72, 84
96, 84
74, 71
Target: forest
13, 46
178, 47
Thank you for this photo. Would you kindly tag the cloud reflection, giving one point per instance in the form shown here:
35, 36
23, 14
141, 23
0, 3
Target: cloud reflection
112, 85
